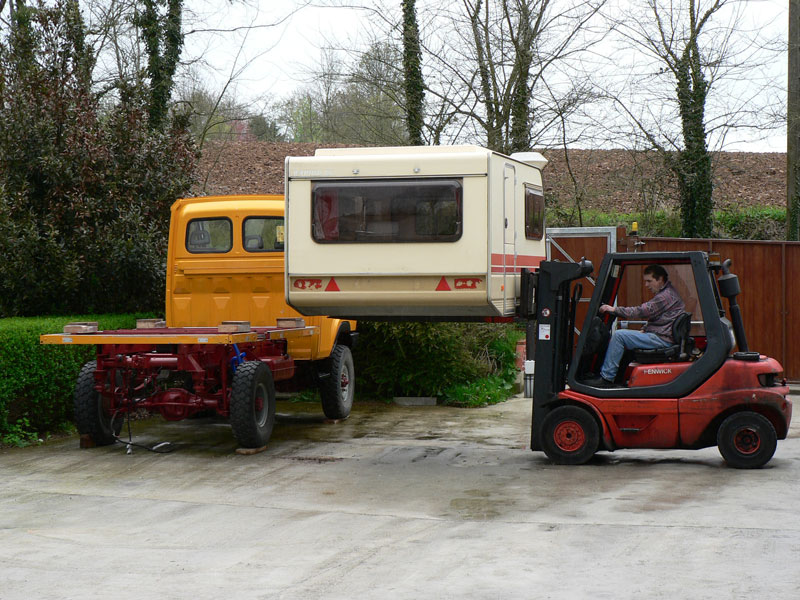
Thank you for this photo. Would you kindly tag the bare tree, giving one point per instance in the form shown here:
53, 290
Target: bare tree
485, 62
357, 102
690, 47
505, 53
570, 132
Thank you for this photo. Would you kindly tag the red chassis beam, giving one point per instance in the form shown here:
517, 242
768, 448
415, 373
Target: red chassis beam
148, 376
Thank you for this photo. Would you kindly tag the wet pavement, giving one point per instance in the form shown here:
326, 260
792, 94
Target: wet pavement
395, 502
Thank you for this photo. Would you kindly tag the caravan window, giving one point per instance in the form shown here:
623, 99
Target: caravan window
387, 211
209, 235
534, 213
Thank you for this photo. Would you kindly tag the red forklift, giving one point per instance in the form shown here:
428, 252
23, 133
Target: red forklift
695, 394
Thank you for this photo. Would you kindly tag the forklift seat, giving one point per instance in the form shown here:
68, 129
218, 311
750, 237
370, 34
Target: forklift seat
680, 351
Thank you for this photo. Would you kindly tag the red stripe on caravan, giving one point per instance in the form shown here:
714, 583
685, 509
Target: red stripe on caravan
522, 260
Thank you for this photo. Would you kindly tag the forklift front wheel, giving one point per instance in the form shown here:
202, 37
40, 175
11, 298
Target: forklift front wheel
747, 440
570, 435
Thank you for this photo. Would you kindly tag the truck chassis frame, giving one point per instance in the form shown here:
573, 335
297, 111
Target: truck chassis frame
180, 372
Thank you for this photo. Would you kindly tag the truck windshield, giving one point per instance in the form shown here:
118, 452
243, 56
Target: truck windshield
387, 211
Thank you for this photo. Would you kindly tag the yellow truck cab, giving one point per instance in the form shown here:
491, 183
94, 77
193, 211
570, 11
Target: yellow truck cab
226, 263
229, 338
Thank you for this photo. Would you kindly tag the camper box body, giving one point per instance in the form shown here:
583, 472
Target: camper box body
411, 231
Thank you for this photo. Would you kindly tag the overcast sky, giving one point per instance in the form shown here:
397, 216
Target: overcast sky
280, 55
281, 52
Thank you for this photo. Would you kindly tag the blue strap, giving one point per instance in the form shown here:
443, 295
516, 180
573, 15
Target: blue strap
238, 358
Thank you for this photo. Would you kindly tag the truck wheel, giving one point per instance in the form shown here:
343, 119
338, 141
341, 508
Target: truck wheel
338, 388
570, 435
252, 404
746, 440
92, 415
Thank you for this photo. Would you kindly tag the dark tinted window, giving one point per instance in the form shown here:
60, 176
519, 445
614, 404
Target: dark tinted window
263, 234
534, 213
209, 235
387, 211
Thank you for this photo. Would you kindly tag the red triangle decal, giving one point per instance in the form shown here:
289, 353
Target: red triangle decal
332, 287
443, 287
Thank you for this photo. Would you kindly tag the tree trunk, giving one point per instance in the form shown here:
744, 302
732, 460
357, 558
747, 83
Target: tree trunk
693, 164
793, 128
412, 70
521, 100
483, 60
163, 40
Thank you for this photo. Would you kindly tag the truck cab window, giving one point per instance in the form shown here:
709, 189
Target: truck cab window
263, 234
213, 235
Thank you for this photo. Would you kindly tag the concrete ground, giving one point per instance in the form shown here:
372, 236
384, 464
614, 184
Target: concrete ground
396, 502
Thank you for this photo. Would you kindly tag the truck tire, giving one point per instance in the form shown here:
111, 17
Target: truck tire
746, 440
338, 387
91, 415
252, 407
570, 435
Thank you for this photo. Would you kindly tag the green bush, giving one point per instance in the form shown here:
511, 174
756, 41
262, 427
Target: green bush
85, 185
488, 390
38, 380
661, 223
453, 361
501, 353
751, 223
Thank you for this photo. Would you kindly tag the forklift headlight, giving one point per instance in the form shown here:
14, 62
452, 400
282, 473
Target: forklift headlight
770, 379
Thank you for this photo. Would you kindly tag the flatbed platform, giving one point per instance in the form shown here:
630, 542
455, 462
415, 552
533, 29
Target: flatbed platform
176, 335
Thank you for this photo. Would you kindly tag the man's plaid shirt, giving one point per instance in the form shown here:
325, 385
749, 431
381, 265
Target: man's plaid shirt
660, 312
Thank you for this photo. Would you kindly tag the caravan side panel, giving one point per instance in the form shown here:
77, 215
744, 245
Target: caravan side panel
516, 230
412, 233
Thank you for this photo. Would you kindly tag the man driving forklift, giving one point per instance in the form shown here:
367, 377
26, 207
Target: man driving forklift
674, 398
660, 314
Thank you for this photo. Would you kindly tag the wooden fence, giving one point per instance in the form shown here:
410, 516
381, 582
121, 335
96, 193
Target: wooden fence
768, 273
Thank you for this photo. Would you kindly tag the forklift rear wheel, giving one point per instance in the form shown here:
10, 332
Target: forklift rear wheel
92, 415
252, 404
570, 435
338, 388
747, 440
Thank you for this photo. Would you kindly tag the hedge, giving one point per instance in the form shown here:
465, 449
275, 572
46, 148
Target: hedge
36, 381
747, 223
464, 364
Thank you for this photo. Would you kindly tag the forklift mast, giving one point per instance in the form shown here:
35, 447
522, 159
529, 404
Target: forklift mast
550, 308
